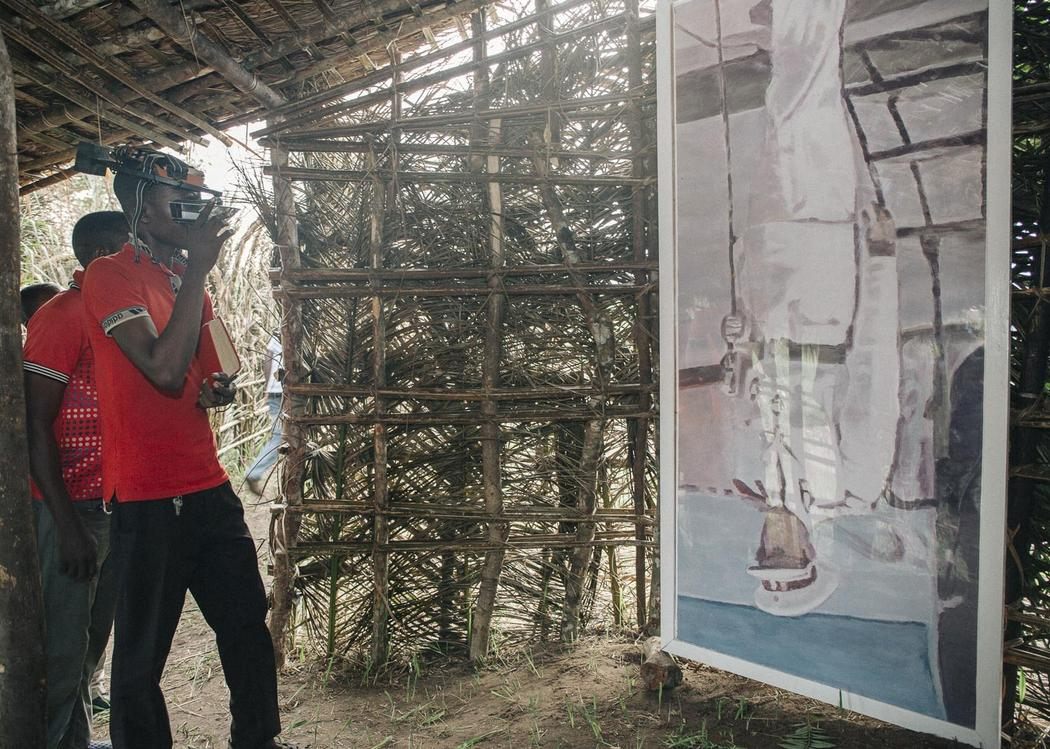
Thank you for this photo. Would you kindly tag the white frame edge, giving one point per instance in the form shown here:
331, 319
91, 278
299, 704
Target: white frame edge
668, 284
986, 733
994, 470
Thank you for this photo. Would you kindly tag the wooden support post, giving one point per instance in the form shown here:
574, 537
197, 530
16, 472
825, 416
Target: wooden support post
483, 134
285, 525
22, 702
380, 488
604, 350
638, 431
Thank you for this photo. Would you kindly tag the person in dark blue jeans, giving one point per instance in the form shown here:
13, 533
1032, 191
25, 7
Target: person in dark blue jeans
259, 471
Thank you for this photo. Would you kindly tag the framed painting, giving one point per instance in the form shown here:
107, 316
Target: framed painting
834, 315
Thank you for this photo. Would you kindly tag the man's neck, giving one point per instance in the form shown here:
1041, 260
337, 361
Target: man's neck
162, 252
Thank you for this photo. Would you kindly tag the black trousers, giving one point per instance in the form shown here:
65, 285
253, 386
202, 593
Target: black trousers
163, 548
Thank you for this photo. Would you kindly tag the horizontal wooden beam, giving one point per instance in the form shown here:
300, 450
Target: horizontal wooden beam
548, 415
48, 181
400, 275
465, 151
522, 543
462, 512
358, 292
104, 111
478, 394
565, 109
64, 157
425, 178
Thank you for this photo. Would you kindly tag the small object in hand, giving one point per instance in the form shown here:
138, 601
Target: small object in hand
218, 389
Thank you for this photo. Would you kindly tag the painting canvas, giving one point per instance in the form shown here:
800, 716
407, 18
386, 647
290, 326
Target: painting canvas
833, 524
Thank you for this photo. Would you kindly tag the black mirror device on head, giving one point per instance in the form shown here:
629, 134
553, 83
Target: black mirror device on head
156, 168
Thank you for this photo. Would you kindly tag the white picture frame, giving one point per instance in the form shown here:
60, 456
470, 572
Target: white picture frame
985, 730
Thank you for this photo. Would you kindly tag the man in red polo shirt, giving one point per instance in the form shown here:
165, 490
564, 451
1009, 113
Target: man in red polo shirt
65, 459
178, 525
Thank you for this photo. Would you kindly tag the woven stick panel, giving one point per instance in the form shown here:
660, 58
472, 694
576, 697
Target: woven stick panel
472, 459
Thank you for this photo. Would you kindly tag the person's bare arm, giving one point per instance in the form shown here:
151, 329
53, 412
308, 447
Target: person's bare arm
165, 357
78, 551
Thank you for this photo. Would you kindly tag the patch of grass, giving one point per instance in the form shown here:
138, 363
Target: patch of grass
699, 739
590, 714
807, 736
472, 742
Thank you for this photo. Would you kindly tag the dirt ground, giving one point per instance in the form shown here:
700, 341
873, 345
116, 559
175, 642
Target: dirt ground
586, 696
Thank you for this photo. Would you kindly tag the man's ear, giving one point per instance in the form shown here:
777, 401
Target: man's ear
152, 208
146, 213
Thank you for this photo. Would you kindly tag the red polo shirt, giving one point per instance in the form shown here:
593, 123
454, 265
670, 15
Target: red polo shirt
57, 347
155, 444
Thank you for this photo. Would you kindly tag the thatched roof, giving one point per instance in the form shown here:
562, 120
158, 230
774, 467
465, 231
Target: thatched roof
155, 72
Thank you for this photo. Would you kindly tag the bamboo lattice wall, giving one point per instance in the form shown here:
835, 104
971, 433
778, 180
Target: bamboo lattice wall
1027, 652
468, 251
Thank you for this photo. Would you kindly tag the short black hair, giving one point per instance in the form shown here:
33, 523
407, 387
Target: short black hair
34, 296
103, 229
124, 186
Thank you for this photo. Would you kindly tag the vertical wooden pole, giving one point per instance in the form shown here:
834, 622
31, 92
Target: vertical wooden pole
488, 134
638, 431
285, 528
22, 628
601, 330
382, 194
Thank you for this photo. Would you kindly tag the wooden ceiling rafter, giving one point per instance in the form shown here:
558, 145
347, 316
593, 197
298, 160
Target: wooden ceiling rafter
134, 40
415, 25
104, 111
312, 115
218, 63
253, 28
53, 117
202, 46
46, 79
52, 142
348, 22
111, 66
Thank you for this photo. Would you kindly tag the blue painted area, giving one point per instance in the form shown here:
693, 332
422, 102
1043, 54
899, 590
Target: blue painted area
884, 661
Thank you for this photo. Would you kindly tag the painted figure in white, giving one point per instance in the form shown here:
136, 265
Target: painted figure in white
817, 296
